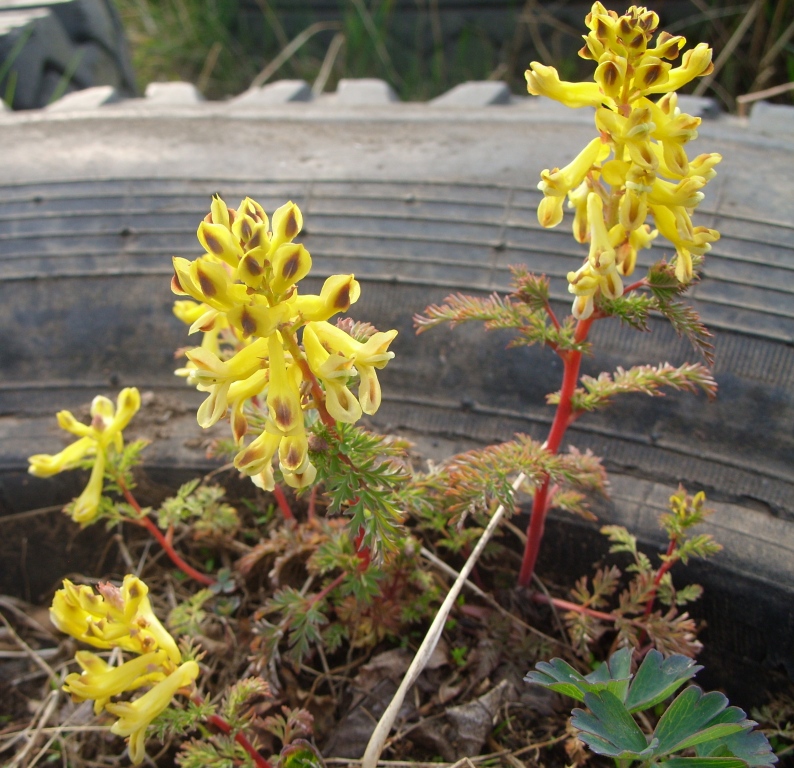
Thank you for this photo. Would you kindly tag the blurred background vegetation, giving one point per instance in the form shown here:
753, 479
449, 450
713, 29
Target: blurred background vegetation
424, 47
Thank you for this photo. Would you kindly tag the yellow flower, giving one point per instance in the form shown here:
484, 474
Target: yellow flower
105, 430
367, 357
250, 311
135, 716
121, 618
648, 172
115, 617
100, 681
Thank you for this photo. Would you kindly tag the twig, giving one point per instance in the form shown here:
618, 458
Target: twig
381, 732
441, 565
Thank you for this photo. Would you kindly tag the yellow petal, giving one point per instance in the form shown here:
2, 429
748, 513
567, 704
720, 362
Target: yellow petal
220, 242
44, 465
134, 717
291, 263
545, 81
287, 223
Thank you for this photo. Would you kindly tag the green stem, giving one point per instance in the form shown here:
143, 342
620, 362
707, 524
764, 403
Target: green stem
572, 360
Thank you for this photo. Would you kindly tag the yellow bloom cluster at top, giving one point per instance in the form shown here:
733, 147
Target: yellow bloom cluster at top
638, 165
122, 618
246, 286
96, 438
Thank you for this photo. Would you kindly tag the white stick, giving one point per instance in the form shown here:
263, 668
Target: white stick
383, 728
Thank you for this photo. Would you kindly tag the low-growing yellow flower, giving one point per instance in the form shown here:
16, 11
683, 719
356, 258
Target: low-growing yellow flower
638, 166
134, 717
121, 617
254, 363
95, 439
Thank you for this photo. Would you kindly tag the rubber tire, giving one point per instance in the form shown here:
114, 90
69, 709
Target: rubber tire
417, 207
66, 45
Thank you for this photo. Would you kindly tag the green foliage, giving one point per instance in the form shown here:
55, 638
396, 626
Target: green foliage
525, 311
240, 698
300, 754
634, 618
220, 752
202, 508
178, 722
476, 480
645, 379
362, 473
289, 725
721, 736
187, 617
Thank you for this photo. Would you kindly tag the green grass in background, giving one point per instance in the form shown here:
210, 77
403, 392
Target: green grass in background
424, 47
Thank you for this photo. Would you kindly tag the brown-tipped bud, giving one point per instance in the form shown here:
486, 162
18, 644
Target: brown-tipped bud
219, 241
668, 46
252, 209
651, 71
291, 263
610, 75
243, 228
257, 319
287, 223
219, 211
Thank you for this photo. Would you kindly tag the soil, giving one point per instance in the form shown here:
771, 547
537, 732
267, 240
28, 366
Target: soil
470, 703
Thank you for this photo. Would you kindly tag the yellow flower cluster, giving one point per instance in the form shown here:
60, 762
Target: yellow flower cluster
638, 165
121, 618
104, 432
246, 286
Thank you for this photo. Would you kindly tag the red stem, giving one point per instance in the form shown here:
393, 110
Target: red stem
145, 522
282, 502
634, 286
663, 568
239, 736
563, 418
565, 605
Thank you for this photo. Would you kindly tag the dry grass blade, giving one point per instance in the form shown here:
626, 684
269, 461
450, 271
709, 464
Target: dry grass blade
380, 48
730, 47
29, 652
441, 565
767, 93
382, 729
287, 53
43, 717
328, 63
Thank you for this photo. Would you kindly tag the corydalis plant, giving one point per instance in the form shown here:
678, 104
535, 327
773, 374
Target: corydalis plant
637, 165
635, 168
122, 618
103, 436
251, 361
710, 733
